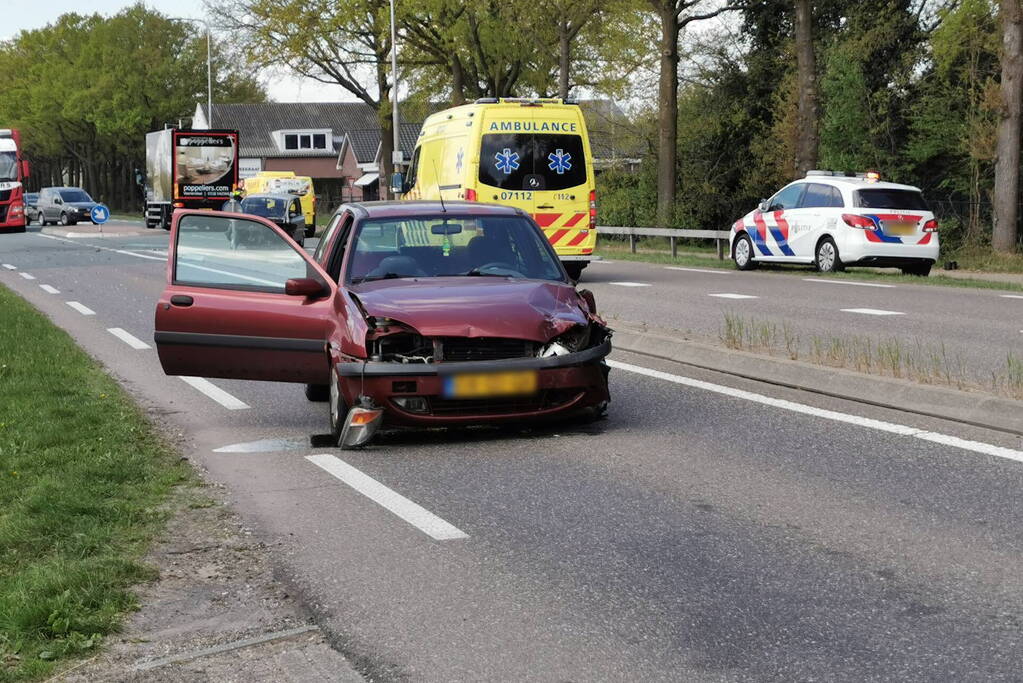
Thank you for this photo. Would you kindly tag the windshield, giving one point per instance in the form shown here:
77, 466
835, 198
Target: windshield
8, 166
524, 161
267, 207
890, 199
440, 246
75, 196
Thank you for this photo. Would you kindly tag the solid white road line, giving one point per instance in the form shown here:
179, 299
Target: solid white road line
27, 276
258, 281
629, 284
49, 289
734, 296
128, 338
719, 271
414, 514
847, 282
8, 266
601, 262
859, 421
1011, 296
96, 246
216, 393
84, 310
871, 311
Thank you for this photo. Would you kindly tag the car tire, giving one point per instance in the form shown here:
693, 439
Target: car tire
336, 408
317, 393
919, 269
826, 258
310, 231
575, 270
742, 253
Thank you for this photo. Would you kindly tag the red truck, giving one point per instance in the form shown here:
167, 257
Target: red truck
13, 173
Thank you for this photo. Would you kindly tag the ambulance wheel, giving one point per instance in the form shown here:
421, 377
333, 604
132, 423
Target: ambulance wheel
920, 269
826, 258
742, 253
575, 270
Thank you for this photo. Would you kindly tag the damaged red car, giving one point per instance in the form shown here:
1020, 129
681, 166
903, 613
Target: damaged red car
408, 314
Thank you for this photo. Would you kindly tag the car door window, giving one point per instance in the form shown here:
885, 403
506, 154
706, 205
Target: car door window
208, 255
816, 196
787, 198
835, 198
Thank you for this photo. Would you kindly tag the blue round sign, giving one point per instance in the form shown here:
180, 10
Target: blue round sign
99, 214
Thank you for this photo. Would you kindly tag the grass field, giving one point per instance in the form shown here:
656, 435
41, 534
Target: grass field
83, 480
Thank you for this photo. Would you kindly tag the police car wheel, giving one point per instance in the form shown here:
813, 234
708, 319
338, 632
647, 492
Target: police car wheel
826, 259
742, 253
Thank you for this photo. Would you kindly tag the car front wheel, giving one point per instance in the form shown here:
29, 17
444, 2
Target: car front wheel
826, 259
337, 408
742, 253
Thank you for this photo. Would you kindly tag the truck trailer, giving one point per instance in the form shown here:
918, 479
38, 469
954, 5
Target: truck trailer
188, 169
14, 170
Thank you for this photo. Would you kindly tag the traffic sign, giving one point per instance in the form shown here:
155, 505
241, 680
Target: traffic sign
99, 214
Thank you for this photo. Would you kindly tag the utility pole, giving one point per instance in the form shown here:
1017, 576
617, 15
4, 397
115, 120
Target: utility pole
396, 155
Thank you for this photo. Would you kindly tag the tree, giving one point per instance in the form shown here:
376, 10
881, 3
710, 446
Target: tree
806, 84
673, 16
339, 42
1006, 195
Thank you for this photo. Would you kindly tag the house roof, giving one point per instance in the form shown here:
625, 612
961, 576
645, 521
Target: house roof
366, 142
256, 122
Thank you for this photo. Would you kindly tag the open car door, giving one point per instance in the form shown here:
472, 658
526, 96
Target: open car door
242, 301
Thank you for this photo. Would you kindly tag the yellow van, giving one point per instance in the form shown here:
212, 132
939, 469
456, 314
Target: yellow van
286, 182
533, 154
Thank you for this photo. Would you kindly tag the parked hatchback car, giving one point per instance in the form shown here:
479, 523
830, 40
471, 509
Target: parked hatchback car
832, 220
409, 313
64, 205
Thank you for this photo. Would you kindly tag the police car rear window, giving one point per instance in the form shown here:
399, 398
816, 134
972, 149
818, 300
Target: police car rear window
525, 161
890, 199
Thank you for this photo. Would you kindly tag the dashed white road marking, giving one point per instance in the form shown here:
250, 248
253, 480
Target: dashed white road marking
847, 282
1011, 296
216, 393
264, 446
629, 284
8, 266
718, 271
413, 513
84, 310
871, 311
49, 289
128, 338
727, 295
859, 421
27, 276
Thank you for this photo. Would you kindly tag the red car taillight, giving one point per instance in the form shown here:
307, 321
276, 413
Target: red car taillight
470, 195
854, 221
931, 225
593, 209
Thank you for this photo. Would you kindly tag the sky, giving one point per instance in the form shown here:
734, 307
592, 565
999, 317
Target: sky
19, 15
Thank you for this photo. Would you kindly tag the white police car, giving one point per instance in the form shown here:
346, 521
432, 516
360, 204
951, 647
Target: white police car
832, 220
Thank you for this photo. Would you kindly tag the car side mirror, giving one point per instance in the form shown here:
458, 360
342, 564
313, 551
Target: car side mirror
304, 286
397, 183
58, 200
763, 206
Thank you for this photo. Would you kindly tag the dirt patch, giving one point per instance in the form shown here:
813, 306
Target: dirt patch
216, 612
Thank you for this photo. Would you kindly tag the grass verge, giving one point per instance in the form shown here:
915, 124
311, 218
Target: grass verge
83, 478
927, 363
708, 259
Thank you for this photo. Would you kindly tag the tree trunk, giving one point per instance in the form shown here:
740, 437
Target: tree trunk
1006, 199
806, 82
457, 82
667, 124
564, 58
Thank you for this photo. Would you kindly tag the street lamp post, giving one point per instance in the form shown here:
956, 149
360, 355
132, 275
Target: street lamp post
396, 156
209, 66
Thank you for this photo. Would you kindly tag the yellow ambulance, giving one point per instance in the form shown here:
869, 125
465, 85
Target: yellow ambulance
286, 182
533, 154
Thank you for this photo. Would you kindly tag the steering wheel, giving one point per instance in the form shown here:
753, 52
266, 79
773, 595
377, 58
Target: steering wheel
500, 265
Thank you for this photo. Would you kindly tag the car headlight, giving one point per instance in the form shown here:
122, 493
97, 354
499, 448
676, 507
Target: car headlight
574, 340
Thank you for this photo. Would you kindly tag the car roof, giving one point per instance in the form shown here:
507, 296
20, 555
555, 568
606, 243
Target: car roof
857, 183
400, 209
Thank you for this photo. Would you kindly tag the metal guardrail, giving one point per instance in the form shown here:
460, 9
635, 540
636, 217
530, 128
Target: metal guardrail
673, 235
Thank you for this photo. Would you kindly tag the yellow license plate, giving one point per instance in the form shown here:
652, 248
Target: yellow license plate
491, 384
899, 228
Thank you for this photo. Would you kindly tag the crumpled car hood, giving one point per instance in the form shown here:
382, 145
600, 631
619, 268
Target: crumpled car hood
476, 306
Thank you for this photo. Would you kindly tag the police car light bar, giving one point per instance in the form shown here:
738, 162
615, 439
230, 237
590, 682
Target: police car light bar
6, 133
870, 176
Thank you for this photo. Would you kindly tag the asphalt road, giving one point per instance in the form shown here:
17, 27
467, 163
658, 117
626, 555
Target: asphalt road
703, 532
982, 326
